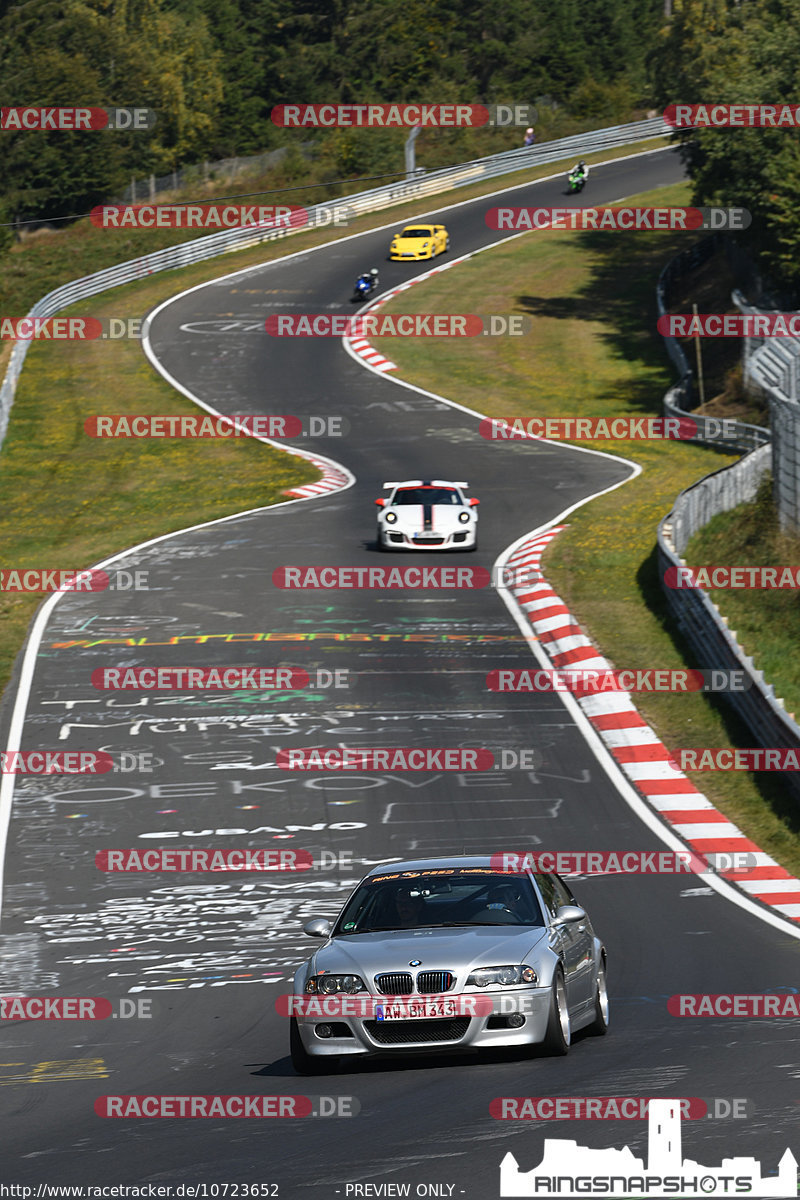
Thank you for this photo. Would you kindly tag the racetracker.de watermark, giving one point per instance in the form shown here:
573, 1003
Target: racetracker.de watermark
203, 216
721, 758
55, 762
407, 758
413, 325
71, 1008
401, 116
262, 1106
331, 578
623, 862
76, 120
195, 860
766, 1004
403, 1007
729, 325
203, 679
589, 681
618, 219
729, 116
733, 578
144, 426
584, 429
613, 1108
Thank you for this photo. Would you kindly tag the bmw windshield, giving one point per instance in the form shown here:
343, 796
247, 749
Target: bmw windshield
439, 899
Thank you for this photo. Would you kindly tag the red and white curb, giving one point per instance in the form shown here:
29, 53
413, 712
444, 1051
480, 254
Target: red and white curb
362, 348
333, 478
636, 748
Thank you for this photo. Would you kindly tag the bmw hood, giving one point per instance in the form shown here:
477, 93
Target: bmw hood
370, 954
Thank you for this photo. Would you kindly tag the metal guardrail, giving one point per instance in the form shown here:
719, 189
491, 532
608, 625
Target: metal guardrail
772, 365
699, 620
373, 200
734, 435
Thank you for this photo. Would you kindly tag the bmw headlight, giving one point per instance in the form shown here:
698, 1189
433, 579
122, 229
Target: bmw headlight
326, 985
391, 518
464, 517
502, 976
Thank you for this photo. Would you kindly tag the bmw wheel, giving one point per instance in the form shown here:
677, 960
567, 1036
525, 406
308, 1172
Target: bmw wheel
559, 1032
599, 1026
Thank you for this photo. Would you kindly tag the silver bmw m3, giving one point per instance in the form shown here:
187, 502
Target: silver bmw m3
451, 953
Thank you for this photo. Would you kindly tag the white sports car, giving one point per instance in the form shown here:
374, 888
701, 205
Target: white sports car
427, 514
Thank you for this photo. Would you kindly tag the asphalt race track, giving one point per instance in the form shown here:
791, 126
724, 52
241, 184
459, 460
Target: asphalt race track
210, 955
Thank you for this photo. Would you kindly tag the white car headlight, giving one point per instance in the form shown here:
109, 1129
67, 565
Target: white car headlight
327, 985
463, 517
391, 518
502, 976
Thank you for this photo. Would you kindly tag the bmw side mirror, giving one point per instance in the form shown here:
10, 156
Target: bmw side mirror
318, 928
568, 913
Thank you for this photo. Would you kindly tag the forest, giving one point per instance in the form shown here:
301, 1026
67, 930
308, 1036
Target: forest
212, 71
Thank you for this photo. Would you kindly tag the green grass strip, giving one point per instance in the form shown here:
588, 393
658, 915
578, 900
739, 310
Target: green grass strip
594, 351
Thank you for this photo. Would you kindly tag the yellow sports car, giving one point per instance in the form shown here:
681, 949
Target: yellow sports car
420, 241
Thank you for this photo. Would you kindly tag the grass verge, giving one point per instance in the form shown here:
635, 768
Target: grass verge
594, 350
767, 623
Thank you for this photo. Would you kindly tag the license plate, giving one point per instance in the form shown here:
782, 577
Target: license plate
416, 1010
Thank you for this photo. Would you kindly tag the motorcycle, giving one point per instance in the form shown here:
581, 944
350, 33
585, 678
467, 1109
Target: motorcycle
576, 181
365, 286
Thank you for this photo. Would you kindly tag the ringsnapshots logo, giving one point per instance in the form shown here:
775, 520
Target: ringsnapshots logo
615, 219
149, 426
732, 116
76, 120
567, 1169
402, 116
411, 325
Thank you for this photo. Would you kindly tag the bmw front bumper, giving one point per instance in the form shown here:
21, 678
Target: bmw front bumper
354, 1036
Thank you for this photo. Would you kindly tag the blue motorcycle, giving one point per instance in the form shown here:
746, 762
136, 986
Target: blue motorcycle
366, 284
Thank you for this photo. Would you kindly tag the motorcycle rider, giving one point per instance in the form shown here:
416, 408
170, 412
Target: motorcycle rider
580, 171
369, 280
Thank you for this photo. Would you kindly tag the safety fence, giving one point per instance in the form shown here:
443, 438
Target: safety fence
697, 617
732, 435
772, 369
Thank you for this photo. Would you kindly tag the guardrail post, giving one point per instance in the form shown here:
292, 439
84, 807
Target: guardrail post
410, 152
